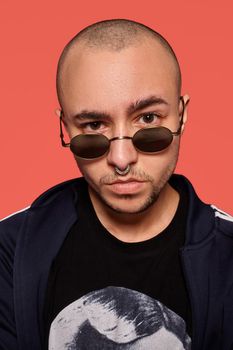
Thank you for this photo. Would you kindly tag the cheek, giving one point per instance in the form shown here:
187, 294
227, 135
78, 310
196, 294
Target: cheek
160, 161
92, 169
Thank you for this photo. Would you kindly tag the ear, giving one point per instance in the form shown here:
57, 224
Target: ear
58, 112
186, 100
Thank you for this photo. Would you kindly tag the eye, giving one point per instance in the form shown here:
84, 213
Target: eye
92, 126
149, 118
95, 125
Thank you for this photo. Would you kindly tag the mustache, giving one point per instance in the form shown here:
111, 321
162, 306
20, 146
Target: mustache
136, 174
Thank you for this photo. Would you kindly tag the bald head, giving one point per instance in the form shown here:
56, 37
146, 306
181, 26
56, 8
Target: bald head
113, 35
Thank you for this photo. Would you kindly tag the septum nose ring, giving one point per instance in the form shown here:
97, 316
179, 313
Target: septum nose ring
122, 172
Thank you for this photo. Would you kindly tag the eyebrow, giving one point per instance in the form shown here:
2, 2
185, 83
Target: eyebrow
91, 115
146, 102
132, 108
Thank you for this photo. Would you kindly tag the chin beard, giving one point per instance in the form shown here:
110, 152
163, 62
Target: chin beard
152, 198
148, 202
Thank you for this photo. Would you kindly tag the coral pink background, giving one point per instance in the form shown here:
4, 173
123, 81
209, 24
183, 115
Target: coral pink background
33, 34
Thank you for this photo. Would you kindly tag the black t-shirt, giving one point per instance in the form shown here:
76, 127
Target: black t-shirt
105, 294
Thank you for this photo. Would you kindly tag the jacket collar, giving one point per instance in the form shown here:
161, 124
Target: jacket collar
42, 234
201, 219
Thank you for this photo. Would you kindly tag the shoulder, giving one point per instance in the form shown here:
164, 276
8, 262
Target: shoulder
203, 220
10, 225
224, 221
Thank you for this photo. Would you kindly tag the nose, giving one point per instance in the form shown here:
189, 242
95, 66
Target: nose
122, 153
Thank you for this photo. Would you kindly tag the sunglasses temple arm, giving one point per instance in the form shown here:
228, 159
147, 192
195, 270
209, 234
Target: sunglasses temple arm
64, 144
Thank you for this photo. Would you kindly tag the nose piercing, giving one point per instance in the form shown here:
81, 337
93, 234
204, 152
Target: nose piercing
122, 172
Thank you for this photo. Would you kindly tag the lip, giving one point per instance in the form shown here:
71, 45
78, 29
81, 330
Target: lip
125, 181
130, 186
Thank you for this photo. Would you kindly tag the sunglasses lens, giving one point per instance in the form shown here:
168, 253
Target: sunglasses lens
89, 146
152, 139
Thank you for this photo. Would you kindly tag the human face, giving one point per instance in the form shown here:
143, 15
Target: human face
116, 94
162, 339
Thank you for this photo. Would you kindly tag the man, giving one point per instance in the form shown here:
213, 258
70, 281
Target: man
129, 226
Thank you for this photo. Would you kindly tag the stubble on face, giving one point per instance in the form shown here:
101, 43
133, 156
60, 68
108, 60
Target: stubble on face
154, 191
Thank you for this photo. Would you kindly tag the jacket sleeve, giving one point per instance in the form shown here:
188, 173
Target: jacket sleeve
8, 232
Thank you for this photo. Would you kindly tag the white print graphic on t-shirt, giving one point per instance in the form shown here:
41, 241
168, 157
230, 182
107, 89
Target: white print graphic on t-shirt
117, 318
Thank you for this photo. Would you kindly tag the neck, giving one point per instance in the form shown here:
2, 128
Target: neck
140, 226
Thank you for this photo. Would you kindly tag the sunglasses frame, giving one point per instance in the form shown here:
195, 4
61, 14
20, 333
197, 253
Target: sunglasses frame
175, 133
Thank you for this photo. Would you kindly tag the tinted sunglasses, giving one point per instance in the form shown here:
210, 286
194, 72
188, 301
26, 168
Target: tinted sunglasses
147, 140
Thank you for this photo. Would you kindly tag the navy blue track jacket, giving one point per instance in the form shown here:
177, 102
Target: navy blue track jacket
30, 240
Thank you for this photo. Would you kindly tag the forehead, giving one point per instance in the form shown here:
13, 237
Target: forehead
94, 78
